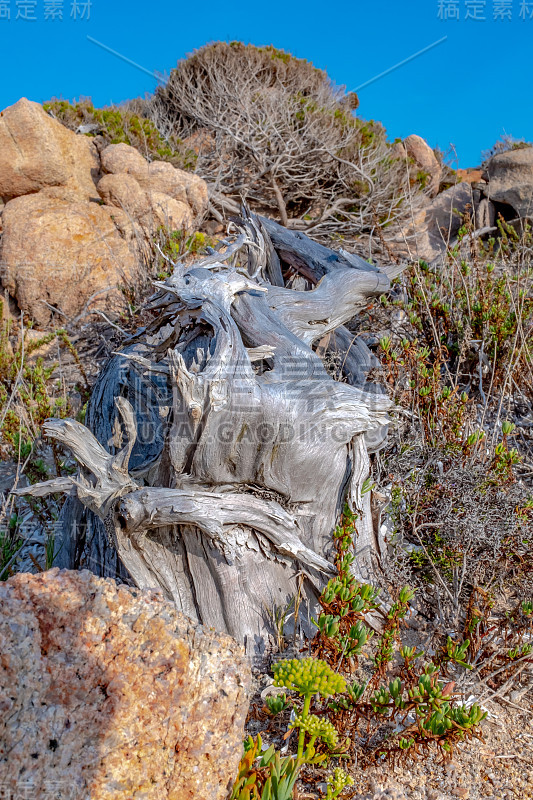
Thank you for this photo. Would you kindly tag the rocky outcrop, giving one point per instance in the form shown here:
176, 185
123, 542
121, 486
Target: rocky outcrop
424, 157
435, 227
470, 175
122, 158
109, 693
504, 187
148, 209
170, 213
159, 176
77, 223
510, 181
123, 191
36, 152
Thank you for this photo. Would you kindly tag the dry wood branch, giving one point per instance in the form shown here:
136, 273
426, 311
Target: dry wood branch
334, 301
110, 472
214, 513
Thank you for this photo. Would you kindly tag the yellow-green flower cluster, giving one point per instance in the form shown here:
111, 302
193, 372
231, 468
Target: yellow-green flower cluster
308, 676
337, 782
317, 728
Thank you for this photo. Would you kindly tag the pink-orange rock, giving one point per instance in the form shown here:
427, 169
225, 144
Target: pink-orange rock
158, 176
424, 157
123, 157
123, 191
164, 178
108, 693
470, 175
150, 209
37, 152
399, 151
178, 184
197, 193
59, 253
172, 214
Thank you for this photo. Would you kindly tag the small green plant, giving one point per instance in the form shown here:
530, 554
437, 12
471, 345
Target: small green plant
265, 775
171, 246
315, 728
268, 775
391, 633
276, 704
50, 550
309, 677
27, 394
504, 461
417, 377
527, 609
408, 705
344, 602
336, 783
11, 541
415, 688
438, 719
457, 653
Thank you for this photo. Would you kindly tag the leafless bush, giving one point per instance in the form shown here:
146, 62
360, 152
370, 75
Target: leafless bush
457, 526
274, 129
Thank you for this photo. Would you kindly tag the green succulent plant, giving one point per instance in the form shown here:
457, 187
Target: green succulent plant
337, 782
308, 677
265, 775
276, 703
315, 728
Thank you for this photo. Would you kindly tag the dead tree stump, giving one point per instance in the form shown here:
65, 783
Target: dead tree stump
219, 451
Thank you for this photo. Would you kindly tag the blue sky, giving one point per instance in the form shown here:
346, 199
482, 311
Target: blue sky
466, 91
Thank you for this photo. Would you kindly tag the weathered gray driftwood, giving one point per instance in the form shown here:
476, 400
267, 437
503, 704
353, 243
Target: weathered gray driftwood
221, 450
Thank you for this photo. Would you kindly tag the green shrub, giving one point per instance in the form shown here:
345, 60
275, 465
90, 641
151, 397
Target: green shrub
406, 707
121, 124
